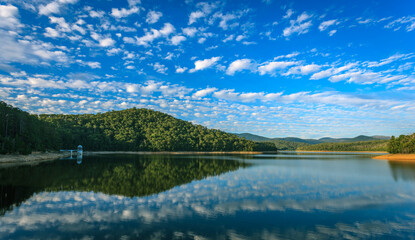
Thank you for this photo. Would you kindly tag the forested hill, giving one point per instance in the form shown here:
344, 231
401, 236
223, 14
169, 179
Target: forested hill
359, 138
126, 130
402, 144
377, 145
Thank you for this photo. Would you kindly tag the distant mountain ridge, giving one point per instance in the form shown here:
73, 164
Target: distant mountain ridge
359, 138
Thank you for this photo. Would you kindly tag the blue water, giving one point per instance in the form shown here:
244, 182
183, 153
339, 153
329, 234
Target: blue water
284, 196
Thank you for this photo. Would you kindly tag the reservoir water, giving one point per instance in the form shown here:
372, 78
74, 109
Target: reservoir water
281, 196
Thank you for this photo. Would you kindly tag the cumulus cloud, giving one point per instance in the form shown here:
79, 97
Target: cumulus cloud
190, 31
204, 92
151, 35
300, 26
123, 12
288, 14
239, 65
153, 17
271, 67
332, 71
103, 41
9, 17
160, 68
176, 40
324, 25
204, 10
106, 42
204, 64
180, 69
304, 70
54, 7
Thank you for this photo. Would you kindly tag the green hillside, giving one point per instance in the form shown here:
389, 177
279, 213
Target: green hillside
126, 130
402, 144
377, 145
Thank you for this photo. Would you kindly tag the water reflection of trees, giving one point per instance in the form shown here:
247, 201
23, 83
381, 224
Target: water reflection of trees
402, 171
128, 175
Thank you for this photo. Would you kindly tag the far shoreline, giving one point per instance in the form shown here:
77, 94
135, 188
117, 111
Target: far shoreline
38, 157
397, 157
340, 151
173, 152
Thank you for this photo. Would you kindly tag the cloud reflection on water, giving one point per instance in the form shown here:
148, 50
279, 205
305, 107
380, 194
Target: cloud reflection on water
263, 194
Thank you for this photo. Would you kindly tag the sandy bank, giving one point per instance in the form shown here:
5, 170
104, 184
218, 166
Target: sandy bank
16, 159
397, 157
167, 153
341, 151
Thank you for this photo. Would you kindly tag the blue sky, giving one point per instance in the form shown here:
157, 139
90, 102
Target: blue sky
273, 68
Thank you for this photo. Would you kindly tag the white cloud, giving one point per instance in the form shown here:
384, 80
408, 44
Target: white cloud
50, 32
176, 40
303, 70
190, 31
201, 40
204, 10
160, 68
106, 42
204, 64
332, 71
94, 64
271, 67
239, 65
324, 25
151, 35
288, 14
194, 16
332, 32
299, 26
228, 38
180, 69
123, 12
153, 17
9, 17
204, 92
54, 7
240, 37
96, 14
133, 3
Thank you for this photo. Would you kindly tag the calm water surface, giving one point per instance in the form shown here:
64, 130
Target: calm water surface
284, 196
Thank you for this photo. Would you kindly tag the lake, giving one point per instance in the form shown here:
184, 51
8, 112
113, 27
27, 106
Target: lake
280, 196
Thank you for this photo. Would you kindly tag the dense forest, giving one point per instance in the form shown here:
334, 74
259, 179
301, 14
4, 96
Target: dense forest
378, 145
21, 132
287, 145
402, 144
126, 130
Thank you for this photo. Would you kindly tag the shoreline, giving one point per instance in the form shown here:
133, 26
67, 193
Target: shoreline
397, 157
38, 157
169, 153
340, 151
33, 158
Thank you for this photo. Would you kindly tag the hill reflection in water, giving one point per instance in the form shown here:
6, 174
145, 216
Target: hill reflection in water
129, 175
402, 170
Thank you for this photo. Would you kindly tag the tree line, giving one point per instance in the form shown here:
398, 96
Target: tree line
377, 145
402, 144
126, 130
21, 132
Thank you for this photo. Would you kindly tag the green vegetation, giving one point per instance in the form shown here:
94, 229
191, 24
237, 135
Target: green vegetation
23, 133
130, 175
378, 145
126, 130
287, 145
402, 144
